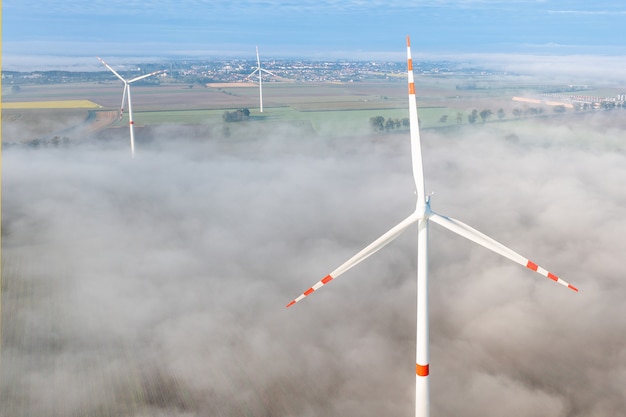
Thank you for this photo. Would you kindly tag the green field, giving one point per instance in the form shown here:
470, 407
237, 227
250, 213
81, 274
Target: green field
322, 121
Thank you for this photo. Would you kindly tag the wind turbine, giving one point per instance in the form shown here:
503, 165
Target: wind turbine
260, 70
422, 216
126, 93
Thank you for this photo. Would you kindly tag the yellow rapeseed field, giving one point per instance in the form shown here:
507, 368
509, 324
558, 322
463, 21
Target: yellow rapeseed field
57, 104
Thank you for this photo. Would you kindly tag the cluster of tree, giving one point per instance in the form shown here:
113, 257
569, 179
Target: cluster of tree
56, 141
199, 80
236, 116
468, 86
379, 124
531, 111
484, 115
517, 113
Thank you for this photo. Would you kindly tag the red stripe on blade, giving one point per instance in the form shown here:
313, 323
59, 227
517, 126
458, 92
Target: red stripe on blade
533, 266
291, 303
552, 276
410, 64
412, 88
571, 287
327, 279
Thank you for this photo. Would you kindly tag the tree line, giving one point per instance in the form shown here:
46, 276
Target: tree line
380, 124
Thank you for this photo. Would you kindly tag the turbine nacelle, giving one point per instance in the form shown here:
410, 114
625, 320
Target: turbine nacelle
422, 205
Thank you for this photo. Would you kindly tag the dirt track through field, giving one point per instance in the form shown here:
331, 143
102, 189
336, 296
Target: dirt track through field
103, 119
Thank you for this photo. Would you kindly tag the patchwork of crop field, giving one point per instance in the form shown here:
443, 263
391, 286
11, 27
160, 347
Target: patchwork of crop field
56, 104
333, 109
328, 108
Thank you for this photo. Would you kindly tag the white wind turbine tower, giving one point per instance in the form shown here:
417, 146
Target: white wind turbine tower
260, 70
130, 106
422, 216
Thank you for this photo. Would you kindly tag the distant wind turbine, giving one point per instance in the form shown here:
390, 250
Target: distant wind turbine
422, 215
260, 70
130, 106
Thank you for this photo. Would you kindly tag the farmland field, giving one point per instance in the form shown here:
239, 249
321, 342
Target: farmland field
327, 108
57, 104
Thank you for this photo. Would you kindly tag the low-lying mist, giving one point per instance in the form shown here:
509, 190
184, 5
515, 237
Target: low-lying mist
157, 285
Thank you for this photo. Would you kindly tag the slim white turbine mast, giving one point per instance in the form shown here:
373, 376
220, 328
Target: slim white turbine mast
422, 215
125, 94
260, 70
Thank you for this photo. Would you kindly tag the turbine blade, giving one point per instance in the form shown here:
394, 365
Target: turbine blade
111, 69
252, 73
123, 100
362, 255
474, 235
141, 77
416, 147
269, 72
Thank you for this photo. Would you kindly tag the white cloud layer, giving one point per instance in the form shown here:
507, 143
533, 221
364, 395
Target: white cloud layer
157, 285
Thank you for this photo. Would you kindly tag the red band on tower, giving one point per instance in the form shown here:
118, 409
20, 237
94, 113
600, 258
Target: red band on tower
421, 370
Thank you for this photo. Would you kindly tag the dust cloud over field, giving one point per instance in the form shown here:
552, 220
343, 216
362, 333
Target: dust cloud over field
157, 286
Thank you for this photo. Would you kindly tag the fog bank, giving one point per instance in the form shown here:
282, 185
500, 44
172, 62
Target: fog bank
157, 286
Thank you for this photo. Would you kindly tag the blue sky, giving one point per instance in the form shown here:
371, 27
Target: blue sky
36, 32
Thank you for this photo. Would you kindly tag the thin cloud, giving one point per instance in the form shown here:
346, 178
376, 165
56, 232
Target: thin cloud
589, 12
